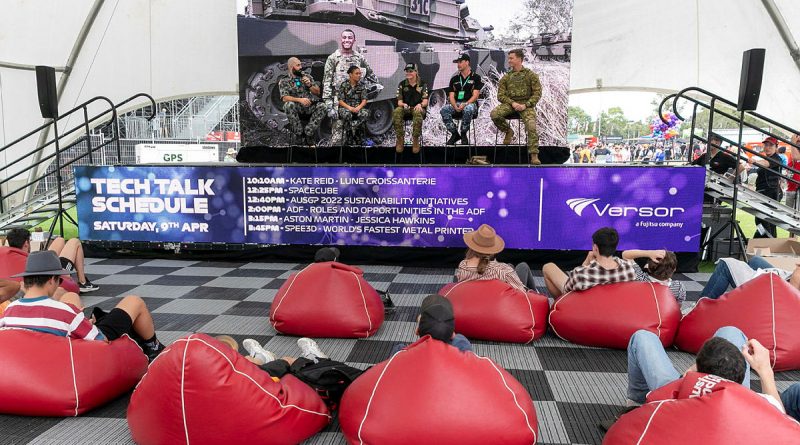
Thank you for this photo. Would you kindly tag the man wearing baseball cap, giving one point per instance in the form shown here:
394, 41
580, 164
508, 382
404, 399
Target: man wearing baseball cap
768, 182
38, 311
437, 320
462, 98
412, 101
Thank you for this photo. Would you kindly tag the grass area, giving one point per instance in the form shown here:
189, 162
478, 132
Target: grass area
70, 230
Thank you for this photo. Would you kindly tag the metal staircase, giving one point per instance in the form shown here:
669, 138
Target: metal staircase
730, 189
29, 196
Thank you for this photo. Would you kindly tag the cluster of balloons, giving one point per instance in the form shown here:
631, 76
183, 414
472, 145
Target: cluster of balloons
661, 130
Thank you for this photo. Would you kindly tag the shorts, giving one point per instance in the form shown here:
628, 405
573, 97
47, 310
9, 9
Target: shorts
115, 324
67, 264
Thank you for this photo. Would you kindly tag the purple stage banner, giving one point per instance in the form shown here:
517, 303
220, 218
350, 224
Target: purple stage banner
531, 208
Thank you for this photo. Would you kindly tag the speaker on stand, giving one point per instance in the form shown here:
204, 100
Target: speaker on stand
48, 105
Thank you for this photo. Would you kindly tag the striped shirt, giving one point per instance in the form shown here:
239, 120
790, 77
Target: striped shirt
677, 287
495, 270
43, 314
593, 274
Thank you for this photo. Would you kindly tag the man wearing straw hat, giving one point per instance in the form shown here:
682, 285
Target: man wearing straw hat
38, 311
480, 264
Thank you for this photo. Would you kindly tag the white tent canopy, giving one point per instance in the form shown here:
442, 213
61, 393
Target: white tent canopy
175, 48
635, 45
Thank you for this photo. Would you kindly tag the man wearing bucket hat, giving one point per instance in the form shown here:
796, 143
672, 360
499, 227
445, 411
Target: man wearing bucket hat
768, 182
479, 264
599, 267
437, 320
39, 311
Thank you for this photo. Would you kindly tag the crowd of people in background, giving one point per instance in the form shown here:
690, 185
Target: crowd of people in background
618, 153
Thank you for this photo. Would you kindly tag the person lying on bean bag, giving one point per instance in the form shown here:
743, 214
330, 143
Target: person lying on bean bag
731, 272
661, 265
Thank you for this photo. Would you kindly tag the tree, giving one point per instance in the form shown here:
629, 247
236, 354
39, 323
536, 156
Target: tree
578, 120
613, 122
541, 16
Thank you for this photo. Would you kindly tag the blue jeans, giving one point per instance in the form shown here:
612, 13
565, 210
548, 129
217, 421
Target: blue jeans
791, 401
721, 278
469, 113
459, 341
649, 366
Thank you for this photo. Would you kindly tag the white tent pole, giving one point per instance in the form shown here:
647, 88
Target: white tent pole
62, 84
783, 29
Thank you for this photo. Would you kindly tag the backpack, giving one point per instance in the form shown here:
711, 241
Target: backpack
328, 377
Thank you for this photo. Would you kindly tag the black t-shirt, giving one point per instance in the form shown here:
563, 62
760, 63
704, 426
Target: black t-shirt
465, 85
766, 179
719, 163
412, 95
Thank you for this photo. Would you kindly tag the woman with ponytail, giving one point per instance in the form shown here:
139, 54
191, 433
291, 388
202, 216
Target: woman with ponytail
480, 264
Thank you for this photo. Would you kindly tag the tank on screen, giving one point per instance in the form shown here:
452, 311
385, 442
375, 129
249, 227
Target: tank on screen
552, 46
390, 33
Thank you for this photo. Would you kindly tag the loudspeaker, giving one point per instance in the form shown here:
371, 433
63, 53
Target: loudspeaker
46, 87
750, 82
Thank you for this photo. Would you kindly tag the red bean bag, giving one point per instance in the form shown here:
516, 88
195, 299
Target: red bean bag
432, 393
765, 308
704, 409
49, 375
609, 314
327, 299
200, 391
12, 262
493, 310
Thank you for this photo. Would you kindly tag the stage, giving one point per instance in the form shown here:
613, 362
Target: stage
450, 154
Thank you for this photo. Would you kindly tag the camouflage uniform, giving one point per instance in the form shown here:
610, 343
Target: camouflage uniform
288, 87
522, 87
399, 114
336, 67
352, 125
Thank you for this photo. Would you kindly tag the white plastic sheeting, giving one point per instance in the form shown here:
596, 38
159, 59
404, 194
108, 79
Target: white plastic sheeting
637, 45
166, 48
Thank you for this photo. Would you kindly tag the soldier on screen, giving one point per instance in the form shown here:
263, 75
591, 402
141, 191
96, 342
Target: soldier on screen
412, 101
519, 91
352, 115
301, 97
336, 74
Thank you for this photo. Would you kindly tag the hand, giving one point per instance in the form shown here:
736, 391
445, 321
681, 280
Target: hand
306, 81
757, 355
418, 108
305, 102
405, 106
590, 256
460, 107
658, 255
332, 113
515, 106
522, 107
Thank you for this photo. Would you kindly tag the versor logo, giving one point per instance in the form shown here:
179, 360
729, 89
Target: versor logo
578, 204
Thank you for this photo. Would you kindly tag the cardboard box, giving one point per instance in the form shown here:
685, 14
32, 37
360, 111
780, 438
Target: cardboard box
783, 253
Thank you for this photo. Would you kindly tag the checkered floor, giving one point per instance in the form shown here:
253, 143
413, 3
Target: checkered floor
573, 387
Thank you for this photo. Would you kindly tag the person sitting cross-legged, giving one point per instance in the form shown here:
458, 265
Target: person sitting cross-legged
599, 267
39, 311
437, 320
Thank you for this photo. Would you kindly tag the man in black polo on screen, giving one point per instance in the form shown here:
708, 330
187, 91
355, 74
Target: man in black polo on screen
768, 182
462, 97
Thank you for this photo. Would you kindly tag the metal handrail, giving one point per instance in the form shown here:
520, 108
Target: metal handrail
738, 119
86, 125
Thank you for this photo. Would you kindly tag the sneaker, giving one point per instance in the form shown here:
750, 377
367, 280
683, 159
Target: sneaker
310, 349
454, 137
88, 287
152, 353
256, 351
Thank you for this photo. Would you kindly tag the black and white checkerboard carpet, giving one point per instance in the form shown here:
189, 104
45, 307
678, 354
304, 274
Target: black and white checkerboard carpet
573, 387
